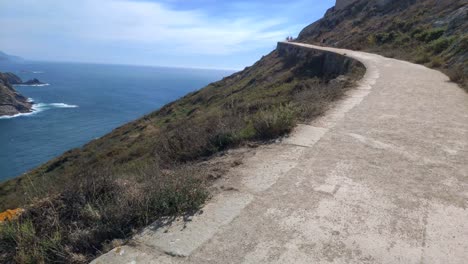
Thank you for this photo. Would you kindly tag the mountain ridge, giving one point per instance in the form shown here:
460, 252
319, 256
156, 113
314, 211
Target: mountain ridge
9, 58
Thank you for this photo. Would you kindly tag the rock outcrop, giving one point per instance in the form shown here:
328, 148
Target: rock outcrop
11, 102
32, 82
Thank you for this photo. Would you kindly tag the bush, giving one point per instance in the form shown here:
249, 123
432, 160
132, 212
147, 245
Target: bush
275, 122
422, 57
436, 62
371, 39
440, 45
402, 26
382, 38
434, 34
455, 74
415, 32
428, 35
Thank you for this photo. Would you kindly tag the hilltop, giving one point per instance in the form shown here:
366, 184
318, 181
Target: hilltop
429, 32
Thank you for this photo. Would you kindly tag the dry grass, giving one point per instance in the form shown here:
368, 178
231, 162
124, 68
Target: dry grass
80, 222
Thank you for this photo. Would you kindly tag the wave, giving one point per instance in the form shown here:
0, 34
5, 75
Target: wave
38, 85
38, 72
39, 107
62, 105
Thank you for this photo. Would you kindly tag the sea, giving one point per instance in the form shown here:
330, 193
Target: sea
82, 102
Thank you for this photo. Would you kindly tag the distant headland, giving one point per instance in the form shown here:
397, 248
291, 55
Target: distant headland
11, 102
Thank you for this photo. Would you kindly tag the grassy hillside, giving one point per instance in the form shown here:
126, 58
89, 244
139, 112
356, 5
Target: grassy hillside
79, 202
429, 32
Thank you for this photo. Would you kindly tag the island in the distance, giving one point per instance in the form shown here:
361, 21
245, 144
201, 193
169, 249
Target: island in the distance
11, 102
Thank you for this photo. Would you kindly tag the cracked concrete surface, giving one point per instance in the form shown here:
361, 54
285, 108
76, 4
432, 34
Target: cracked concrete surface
381, 178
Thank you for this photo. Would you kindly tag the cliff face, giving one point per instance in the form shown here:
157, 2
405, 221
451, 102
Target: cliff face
430, 32
11, 102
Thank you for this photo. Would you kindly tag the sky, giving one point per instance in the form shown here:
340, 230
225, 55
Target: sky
176, 33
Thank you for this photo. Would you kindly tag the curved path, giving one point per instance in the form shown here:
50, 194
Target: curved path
381, 178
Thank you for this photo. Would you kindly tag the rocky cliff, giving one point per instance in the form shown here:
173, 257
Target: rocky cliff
11, 102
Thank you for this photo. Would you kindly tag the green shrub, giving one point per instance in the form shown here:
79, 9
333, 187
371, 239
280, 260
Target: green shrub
436, 62
421, 36
372, 40
434, 34
382, 38
274, 122
402, 40
415, 32
429, 35
422, 57
440, 45
402, 25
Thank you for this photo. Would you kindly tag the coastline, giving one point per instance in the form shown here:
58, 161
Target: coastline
37, 108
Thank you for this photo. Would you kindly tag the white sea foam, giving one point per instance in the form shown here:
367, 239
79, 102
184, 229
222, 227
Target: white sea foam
37, 72
39, 107
38, 85
62, 105
18, 115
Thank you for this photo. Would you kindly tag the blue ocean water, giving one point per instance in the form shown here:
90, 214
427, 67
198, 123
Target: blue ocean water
83, 102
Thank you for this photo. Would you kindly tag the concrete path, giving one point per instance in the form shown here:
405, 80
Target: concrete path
382, 178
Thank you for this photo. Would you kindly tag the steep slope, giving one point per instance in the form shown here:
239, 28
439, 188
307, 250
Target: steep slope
430, 32
153, 167
293, 84
11, 102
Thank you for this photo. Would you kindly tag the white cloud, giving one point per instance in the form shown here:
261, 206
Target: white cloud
138, 23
